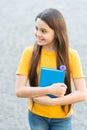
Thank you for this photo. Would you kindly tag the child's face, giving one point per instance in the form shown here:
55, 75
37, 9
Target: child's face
44, 34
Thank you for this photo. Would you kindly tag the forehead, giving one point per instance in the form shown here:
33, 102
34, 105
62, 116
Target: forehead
40, 23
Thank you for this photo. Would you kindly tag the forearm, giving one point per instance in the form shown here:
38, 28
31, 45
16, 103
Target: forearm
80, 94
30, 92
72, 98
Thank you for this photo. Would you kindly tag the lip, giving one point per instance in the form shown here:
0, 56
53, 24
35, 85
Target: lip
39, 40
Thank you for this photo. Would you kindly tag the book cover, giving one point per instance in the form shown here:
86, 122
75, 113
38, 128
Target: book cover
51, 76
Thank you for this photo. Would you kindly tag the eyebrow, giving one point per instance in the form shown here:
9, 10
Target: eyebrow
41, 28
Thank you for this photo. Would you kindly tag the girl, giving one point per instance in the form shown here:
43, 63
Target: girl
50, 51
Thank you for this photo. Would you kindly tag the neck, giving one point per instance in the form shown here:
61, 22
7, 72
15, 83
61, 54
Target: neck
49, 48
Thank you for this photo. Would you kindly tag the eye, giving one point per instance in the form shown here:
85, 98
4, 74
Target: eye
43, 30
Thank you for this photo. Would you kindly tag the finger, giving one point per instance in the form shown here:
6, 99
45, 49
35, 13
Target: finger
64, 85
61, 84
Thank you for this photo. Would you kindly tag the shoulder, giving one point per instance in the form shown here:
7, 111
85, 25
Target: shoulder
28, 51
74, 57
73, 53
75, 64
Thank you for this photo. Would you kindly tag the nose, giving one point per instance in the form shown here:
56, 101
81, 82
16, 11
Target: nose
38, 33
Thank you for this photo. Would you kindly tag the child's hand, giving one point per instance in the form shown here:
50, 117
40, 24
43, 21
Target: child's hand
58, 89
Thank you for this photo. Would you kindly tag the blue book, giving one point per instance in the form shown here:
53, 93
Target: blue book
51, 76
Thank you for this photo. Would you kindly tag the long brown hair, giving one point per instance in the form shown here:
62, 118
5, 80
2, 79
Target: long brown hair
54, 19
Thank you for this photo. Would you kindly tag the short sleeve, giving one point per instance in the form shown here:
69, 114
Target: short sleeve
24, 63
75, 65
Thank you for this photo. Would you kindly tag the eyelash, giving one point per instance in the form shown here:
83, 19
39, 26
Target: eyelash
42, 30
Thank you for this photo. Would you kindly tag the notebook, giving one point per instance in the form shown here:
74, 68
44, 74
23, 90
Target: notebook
50, 76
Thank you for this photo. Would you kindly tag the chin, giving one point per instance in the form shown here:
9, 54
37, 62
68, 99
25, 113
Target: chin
40, 44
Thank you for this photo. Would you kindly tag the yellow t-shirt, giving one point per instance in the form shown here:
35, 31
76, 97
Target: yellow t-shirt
48, 60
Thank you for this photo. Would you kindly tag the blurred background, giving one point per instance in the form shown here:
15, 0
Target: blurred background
17, 19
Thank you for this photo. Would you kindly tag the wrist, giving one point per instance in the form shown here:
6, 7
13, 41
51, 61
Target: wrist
48, 90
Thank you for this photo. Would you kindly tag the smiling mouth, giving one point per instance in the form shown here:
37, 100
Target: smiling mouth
40, 40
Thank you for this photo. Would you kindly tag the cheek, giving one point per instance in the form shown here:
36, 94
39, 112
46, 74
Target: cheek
51, 37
